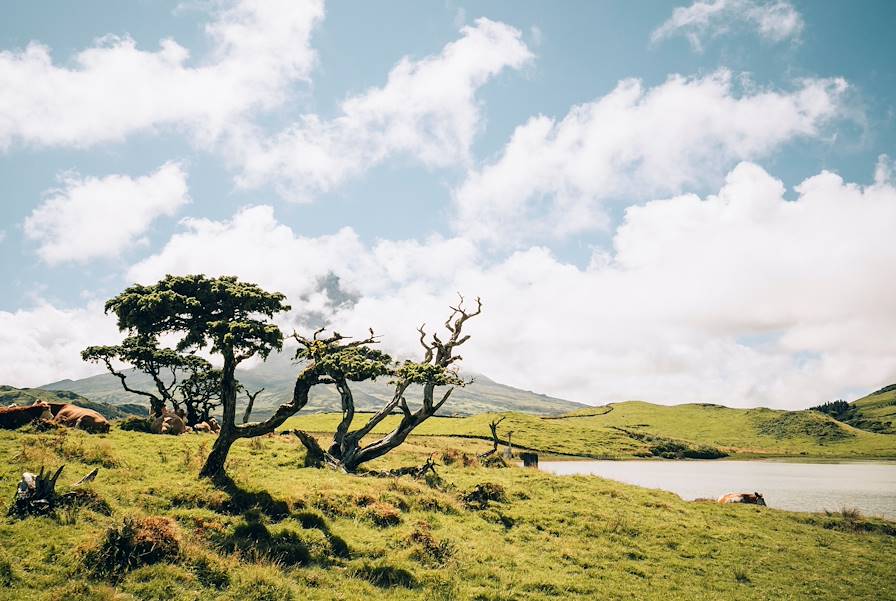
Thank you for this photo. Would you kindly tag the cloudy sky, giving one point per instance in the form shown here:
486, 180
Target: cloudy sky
663, 201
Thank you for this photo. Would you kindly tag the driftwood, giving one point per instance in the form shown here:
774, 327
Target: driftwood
416, 472
36, 494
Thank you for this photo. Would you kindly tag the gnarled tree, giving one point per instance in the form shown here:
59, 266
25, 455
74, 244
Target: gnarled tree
339, 363
143, 352
225, 315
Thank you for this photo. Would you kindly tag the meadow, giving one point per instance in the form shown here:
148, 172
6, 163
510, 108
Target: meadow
280, 531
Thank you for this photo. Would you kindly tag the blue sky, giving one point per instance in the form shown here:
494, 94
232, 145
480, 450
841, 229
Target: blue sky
538, 154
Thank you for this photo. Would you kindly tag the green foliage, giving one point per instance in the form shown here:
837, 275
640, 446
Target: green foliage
221, 312
427, 373
136, 424
356, 363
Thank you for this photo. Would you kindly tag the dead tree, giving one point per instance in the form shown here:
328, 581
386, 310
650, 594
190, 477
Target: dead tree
36, 494
251, 396
493, 426
356, 361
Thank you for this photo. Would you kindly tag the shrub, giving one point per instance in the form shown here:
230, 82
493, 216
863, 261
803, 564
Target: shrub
479, 496
494, 461
134, 543
455, 456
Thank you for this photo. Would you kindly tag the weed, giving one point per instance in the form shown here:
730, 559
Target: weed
383, 514
480, 495
135, 542
429, 550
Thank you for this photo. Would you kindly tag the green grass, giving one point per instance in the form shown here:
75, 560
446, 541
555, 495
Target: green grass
638, 429
486, 534
877, 411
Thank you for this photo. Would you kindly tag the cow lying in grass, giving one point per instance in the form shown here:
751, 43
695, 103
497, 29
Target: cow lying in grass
168, 423
16, 417
66, 414
742, 497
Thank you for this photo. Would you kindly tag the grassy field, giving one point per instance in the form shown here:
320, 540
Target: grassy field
877, 410
637, 429
283, 532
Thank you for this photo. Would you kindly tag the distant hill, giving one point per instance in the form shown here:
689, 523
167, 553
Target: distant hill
874, 413
27, 396
277, 377
639, 429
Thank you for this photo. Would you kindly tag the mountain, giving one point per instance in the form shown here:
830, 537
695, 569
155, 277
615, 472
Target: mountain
874, 413
277, 377
27, 396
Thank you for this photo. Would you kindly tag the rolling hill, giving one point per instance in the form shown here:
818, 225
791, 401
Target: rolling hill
27, 396
638, 429
277, 377
874, 413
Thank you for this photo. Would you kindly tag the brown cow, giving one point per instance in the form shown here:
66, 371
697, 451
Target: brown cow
80, 417
16, 417
742, 497
168, 423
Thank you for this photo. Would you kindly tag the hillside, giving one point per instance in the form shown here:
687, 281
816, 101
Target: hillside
638, 429
277, 377
875, 412
27, 396
285, 533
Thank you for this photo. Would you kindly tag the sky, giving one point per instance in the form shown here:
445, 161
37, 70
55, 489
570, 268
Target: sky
666, 201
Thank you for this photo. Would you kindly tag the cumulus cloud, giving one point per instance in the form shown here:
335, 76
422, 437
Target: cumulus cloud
255, 246
94, 217
426, 110
113, 89
775, 20
42, 344
742, 297
552, 177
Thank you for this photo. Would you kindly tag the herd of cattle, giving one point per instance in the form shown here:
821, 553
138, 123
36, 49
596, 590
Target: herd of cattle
73, 416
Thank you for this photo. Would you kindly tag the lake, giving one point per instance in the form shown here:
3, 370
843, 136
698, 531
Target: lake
868, 486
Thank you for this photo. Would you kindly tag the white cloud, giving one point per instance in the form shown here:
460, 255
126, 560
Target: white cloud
742, 298
115, 89
553, 176
100, 217
427, 110
43, 344
774, 20
255, 246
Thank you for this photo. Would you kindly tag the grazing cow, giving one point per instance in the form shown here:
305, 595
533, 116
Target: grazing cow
742, 497
168, 423
79, 417
16, 417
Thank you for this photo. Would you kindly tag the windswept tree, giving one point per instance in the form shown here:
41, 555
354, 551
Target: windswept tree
142, 351
199, 393
339, 362
224, 315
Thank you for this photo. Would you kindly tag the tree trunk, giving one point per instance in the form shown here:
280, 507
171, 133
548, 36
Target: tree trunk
214, 464
156, 406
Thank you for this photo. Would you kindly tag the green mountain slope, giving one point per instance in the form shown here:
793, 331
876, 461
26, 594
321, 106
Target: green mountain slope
277, 377
874, 413
638, 429
27, 396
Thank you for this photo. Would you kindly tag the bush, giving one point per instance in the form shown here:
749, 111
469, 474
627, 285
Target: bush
136, 542
479, 496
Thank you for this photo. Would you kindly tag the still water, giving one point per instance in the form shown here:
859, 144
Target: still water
868, 486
